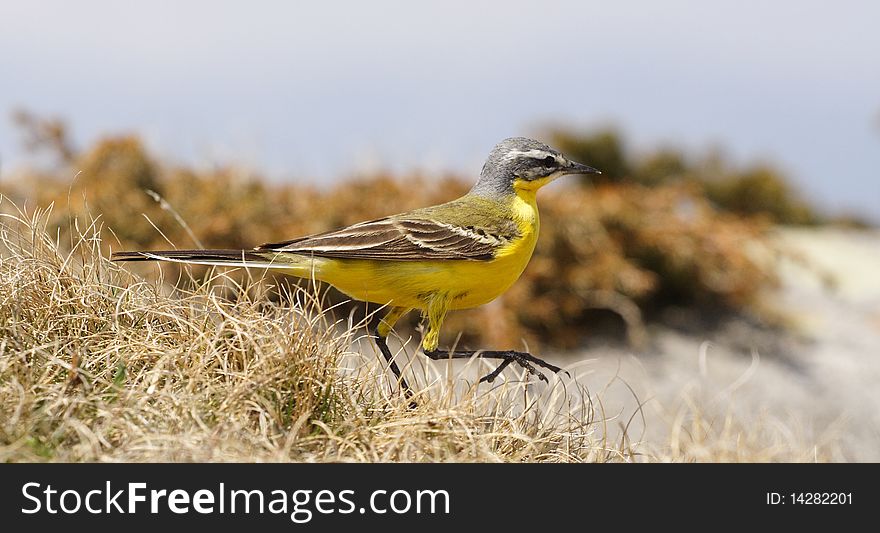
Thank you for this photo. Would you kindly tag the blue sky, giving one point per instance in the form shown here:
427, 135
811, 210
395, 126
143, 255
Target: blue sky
316, 90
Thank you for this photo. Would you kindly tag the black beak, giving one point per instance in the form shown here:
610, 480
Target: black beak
578, 168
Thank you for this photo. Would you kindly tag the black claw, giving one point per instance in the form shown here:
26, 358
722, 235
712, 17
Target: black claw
523, 362
540, 362
490, 377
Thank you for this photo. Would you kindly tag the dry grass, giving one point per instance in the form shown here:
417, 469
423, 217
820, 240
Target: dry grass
700, 430
97, 364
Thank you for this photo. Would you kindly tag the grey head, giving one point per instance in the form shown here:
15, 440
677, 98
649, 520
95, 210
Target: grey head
523, 160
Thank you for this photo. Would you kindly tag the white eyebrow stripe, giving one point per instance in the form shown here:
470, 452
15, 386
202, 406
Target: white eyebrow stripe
534, 153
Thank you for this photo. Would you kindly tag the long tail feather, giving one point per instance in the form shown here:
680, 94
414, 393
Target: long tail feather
244, 258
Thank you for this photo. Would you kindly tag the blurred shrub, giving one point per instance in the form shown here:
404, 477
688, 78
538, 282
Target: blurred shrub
761, 190
662, 166
45, 134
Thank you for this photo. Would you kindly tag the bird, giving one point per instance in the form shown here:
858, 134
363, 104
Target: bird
456, 255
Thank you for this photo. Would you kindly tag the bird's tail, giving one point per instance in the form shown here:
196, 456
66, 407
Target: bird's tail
243, 258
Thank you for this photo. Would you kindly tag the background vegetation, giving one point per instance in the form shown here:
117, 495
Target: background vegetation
656, 231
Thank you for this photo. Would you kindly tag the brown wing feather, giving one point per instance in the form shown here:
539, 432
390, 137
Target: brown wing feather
391, 239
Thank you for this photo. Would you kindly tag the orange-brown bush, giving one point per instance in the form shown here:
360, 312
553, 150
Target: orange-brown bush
623, 247
758, 190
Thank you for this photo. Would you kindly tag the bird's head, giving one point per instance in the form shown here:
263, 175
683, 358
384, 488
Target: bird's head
521, 164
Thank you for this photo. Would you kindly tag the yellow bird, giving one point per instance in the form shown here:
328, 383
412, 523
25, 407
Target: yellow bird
456, 255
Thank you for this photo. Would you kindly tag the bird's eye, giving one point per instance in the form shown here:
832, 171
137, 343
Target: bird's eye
549, 160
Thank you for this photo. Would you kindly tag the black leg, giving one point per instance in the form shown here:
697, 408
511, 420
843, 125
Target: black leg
523, 359
404, 386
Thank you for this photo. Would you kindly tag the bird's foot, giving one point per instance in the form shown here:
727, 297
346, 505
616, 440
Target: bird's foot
524, 360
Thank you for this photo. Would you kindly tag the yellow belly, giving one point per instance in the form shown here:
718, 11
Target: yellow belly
412, 283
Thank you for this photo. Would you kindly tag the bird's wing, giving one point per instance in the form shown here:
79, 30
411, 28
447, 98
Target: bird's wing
402, 238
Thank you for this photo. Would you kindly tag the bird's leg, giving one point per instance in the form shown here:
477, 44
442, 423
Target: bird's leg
380, 333
389, 357
523, 359
436, 312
